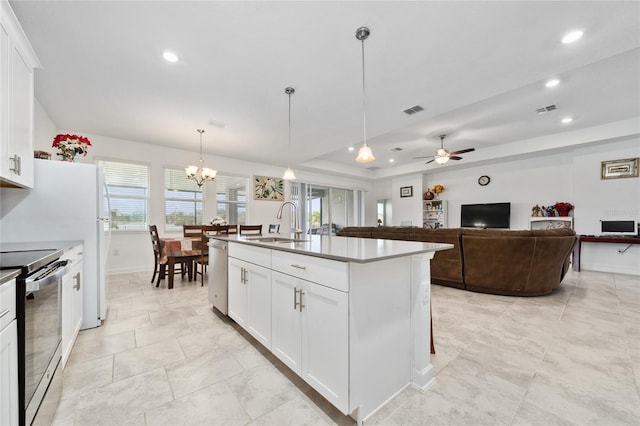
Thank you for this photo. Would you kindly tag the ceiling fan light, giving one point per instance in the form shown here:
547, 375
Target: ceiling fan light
442, 159
365, 154
288, 174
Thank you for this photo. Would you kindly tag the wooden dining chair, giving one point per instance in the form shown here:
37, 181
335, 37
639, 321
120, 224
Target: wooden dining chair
250, 229
160, 264
233, 229
203, 261
192, 231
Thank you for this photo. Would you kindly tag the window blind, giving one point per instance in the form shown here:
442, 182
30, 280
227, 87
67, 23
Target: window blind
183, 200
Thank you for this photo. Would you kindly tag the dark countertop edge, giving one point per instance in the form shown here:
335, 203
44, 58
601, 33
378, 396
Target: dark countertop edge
7, 275
64, 245
283, 247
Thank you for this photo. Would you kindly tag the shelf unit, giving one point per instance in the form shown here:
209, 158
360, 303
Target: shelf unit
434, 214
553, 222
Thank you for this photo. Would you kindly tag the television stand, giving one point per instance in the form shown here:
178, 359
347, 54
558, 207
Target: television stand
630, 240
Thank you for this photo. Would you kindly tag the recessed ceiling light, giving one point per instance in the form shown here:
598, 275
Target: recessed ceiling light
351, 148
567, 120
169, 56
572, 36
391, 160
552, 83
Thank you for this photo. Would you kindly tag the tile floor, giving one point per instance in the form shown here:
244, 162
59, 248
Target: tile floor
164, 358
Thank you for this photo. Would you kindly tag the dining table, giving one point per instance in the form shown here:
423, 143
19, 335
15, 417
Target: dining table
180, 250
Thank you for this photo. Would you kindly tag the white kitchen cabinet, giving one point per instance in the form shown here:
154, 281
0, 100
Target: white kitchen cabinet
17, 62
310, 326
72, 302
8, 355
250, 298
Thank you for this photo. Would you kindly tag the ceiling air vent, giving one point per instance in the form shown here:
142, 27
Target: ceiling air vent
373, 168
396, 149
546, 109
413, 110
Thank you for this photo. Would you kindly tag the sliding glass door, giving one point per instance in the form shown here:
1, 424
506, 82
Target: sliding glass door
325, 210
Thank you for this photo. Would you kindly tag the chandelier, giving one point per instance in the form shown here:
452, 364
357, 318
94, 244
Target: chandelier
198, 173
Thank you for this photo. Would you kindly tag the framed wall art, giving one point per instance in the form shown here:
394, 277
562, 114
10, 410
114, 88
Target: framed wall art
615, 169
406, 191
268, 188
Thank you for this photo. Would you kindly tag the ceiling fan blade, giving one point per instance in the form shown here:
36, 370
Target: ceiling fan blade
462, 151
430, 161
419, 158
454, 157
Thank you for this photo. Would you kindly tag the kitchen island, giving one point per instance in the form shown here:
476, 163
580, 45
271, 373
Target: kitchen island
350, 316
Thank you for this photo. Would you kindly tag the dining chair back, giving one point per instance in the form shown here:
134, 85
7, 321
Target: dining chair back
192, 231
233, 229
250, 229
274, 229
159, 264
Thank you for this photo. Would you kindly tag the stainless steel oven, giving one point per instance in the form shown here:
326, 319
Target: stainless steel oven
38, 303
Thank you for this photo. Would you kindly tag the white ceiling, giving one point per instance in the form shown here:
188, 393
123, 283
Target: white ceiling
477, 68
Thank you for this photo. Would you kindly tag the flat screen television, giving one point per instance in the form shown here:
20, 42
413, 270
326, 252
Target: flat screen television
618, 227
491, 215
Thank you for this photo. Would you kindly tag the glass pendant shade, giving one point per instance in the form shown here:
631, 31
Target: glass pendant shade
365, 154
288, 174
199, 173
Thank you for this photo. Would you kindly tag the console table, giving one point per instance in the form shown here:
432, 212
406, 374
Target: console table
594, 239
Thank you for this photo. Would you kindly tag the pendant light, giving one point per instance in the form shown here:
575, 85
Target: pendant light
365, 154
198, 173
288, 174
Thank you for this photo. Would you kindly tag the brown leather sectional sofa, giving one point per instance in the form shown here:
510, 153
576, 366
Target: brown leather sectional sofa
511, 263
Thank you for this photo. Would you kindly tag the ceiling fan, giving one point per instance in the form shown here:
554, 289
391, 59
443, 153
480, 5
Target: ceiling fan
442, 155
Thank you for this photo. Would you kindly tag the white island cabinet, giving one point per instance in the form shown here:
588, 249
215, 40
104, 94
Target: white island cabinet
350, 316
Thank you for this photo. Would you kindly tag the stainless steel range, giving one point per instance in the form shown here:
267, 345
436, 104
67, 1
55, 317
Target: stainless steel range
38, 304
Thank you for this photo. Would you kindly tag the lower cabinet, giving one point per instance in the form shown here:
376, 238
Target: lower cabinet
9, 405
250, 298
72, 305
310, 334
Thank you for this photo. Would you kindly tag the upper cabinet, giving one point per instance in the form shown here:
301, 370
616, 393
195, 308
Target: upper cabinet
17, 62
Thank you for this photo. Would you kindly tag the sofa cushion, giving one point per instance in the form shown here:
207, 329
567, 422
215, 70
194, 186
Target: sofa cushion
446, 266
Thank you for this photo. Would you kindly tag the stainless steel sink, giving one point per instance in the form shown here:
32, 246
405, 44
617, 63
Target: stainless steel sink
275, 240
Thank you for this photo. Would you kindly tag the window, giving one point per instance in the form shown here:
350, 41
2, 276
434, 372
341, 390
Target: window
231, 199
128, 187
183, 200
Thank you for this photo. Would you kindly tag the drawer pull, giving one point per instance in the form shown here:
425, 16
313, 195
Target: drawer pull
298, 266
6, 311
301, 304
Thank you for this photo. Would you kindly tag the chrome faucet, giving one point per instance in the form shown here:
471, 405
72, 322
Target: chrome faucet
296, 227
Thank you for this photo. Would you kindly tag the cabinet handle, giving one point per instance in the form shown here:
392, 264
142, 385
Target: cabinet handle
295, 298
242, 275
16, 164
77, 284
299, 267
6, 311
301, 304
246, 275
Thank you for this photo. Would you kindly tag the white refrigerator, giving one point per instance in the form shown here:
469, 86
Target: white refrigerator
66, 204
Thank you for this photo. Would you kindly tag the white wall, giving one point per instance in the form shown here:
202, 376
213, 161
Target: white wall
407, 208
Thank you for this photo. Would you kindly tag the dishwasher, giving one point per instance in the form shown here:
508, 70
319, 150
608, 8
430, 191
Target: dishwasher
218, 274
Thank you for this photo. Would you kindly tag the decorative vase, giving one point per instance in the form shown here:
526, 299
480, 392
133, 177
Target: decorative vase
429, 195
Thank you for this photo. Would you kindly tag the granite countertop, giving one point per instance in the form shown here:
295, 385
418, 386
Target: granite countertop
347, 249
7, 275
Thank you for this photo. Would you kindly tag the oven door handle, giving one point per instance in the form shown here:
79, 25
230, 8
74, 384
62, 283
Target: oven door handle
55, 274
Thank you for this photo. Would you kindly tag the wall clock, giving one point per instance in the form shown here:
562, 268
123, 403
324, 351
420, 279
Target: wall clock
484, 180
